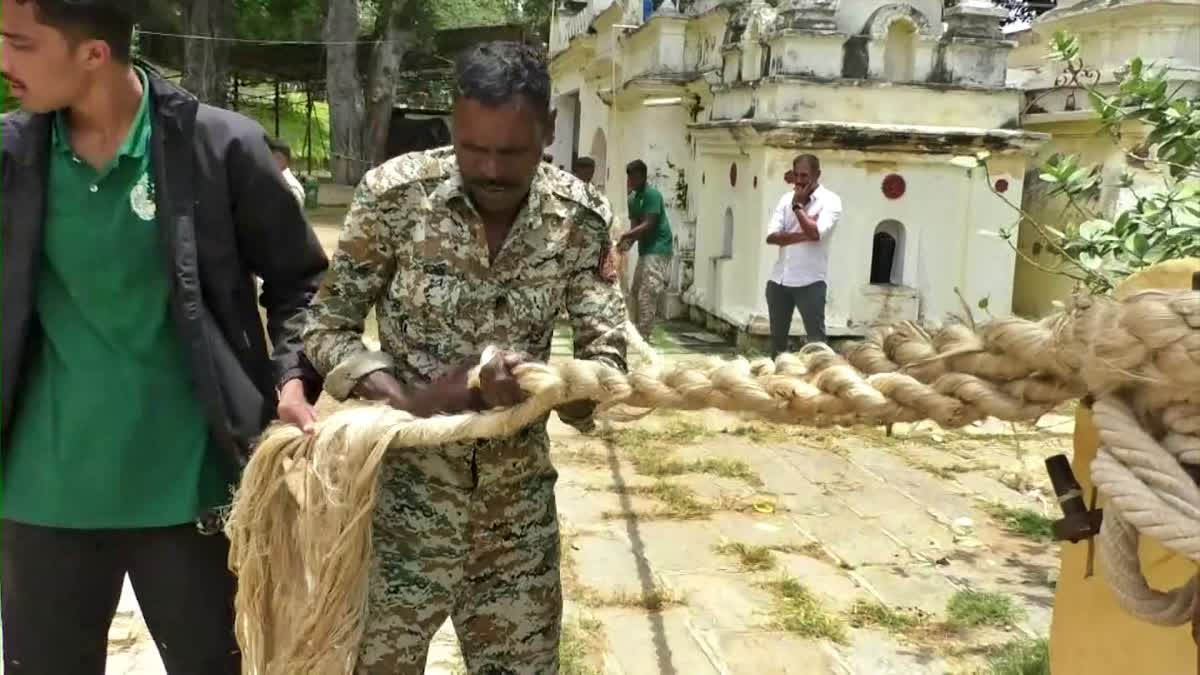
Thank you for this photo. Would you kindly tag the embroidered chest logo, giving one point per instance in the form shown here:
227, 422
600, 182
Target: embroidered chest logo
141, 198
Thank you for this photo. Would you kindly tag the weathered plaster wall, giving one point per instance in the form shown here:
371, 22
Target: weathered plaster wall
805, 80
881, 103
659, 137
943, 212
731, 286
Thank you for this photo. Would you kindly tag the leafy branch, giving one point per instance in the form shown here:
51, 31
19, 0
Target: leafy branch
1162, 222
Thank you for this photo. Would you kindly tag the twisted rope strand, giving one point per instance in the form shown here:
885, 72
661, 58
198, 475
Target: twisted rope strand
300, 524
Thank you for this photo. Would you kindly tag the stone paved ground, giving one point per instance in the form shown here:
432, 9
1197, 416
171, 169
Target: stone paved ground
701, 543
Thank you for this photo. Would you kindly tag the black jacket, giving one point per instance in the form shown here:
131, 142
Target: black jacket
226, 216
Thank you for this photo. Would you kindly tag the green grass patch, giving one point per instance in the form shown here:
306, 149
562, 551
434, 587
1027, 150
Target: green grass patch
679, 502
662, 339
293, 120
1020, 657
865, 613
675, 434
652, 599
798, 611
581, 647
755, 558
763, 433
968, 609
1024, 521
651, 452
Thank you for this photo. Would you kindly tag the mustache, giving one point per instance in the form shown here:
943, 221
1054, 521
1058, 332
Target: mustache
487, 183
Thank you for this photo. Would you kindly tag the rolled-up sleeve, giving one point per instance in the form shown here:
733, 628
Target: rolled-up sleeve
831, 213
595, 306
358, 273
779, 216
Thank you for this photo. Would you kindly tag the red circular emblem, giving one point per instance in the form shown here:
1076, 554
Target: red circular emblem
1002, 185
893, 186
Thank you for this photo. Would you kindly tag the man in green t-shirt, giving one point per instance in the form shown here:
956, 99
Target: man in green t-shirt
650, 229
135, 370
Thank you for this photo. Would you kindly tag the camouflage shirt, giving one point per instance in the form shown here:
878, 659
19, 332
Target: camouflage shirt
414, 248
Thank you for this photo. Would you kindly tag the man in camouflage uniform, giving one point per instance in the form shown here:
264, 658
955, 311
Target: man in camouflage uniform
457, 250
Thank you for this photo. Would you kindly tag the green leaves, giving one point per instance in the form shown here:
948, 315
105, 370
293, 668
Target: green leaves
1064, 47
1094, 230
1162, 221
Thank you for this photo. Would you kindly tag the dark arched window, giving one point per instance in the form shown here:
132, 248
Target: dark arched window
883, 257
887, 254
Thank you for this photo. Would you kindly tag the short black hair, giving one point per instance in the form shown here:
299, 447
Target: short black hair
496, 72
281, 146
811, 160
637, 167
583, 163
108, 20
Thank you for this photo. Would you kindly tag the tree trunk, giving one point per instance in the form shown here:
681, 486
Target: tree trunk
381, 94
346, 160
206, 62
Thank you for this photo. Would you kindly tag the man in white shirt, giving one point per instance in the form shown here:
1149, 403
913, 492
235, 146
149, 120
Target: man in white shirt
801, 227
283, 157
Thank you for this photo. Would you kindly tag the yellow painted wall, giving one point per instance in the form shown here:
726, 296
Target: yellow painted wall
1090, 634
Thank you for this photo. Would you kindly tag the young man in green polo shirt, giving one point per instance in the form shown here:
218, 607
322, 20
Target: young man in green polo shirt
135, 369
650, 228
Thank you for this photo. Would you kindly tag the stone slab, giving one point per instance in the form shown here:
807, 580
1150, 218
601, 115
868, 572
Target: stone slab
723, 601
835, 587
878, 653
852, 539
641, 643
919, 586
777, 654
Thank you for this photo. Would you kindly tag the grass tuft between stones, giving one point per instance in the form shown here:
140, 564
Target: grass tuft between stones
866, 613
754, 558
1025, 522
798, 611
968, 609
1020, 657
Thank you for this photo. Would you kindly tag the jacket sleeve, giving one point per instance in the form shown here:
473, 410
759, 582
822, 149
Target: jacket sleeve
360, 270
280, 247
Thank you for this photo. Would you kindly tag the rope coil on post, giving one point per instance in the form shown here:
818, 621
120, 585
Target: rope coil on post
303, 509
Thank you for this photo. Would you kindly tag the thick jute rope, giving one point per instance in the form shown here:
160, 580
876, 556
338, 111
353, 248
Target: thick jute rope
1149, 493
300, 525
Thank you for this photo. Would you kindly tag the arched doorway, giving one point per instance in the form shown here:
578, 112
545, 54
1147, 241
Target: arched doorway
899, 51
599, 153
727, 234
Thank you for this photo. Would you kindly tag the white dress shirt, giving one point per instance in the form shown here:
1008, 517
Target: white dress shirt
294, 184
808, 261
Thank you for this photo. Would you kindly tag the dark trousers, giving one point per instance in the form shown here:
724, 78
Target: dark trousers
782, 301
59, 590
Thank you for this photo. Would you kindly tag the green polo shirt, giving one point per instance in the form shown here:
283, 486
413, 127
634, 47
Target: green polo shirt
658, 240
108, 433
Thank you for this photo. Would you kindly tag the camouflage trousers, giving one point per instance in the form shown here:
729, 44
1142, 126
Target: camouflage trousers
468, 531
650, 279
